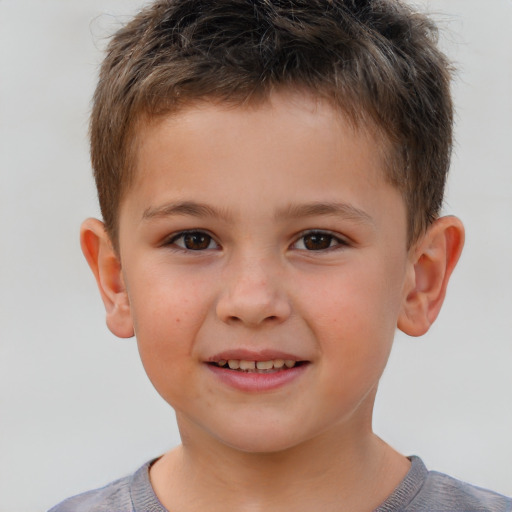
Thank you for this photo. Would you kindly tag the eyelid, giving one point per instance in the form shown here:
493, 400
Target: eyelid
342, 241
171, 239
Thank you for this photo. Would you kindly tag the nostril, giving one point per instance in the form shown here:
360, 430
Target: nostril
270, 318
252, 307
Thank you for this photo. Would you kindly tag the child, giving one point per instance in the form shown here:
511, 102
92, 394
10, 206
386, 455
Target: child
270, 175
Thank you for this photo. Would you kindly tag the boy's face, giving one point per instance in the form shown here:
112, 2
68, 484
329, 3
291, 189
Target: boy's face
264, 233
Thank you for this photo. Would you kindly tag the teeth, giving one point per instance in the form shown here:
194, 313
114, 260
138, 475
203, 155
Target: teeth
236, 364
247, 365
265, 365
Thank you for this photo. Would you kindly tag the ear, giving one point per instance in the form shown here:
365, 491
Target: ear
106, 267
432, 261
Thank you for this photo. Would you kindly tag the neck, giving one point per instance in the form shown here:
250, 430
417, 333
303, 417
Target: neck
326, 473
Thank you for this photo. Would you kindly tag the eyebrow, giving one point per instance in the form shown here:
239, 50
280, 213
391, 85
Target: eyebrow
184, 208
292, 211
344, 210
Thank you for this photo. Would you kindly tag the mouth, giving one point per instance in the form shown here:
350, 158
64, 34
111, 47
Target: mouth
257, 372
248, 366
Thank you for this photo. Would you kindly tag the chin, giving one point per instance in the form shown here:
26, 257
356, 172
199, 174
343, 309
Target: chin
261, 446
264, 439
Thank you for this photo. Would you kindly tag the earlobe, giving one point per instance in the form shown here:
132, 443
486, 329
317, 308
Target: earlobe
433, 259
106, 267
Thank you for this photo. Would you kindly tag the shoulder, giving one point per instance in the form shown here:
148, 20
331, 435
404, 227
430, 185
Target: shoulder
116, 496
430, 491
442, 493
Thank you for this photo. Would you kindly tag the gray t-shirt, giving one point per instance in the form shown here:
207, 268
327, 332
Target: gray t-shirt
420, 491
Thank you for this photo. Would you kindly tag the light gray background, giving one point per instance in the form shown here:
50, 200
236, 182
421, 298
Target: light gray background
76, 409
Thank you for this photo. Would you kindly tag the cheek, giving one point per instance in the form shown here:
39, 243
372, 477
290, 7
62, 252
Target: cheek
361, 297
353, 316
167, 315
164, 302
165, 339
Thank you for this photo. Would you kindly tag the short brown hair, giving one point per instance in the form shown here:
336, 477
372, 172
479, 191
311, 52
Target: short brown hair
376, 59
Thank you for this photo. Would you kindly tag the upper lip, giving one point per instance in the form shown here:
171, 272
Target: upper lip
252, 355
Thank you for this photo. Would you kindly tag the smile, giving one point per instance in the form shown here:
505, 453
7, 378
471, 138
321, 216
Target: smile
244, 365
255, 373
269, 366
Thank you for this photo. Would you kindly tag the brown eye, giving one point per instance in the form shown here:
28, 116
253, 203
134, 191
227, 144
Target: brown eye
197, 241
194, 241
317, 241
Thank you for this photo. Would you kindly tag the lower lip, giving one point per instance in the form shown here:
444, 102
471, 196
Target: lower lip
257, 382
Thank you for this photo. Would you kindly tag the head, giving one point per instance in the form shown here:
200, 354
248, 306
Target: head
270, 175
375, 61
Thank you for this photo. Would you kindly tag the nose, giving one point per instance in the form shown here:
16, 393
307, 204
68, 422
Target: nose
253, 295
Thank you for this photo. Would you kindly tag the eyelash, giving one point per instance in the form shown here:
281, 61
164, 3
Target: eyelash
331, 237
207, 240
194, 232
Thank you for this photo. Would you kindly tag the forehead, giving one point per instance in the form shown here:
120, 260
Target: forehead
309, 115
287, 145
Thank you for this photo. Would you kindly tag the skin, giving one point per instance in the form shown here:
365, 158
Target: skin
254, 181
